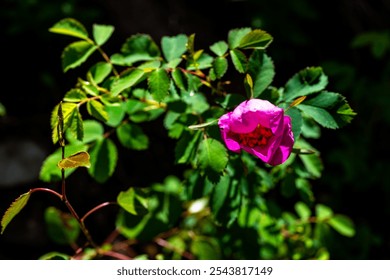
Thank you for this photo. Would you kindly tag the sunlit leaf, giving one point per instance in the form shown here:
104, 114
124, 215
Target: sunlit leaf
74, 95
236, 35
54, 256
50, 172
256, 39
126, 80
68, 111
100, 71
342, 224
131, 202
14, 209
76, 160
239, 60
213, 155
71, 27
323, 212
97, 110
76, 53
303, 210
101, 33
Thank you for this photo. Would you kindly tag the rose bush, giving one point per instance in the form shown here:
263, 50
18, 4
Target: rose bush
259, 128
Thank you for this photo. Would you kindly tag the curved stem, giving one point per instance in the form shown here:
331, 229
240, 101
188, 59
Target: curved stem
104, 204
46, 190
115, 255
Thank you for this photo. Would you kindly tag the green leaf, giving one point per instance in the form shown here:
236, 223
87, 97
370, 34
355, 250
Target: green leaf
220, 194
101, 33
126, 80
256, 39
303, 210
93, 130
104, 156
336, 106
68, 111
100, 71
141, 43
62, 227
179, 79
173, 47
76, 53
131, 202
313, 164
3, 111
158, 83
320, 115
205, 248
185, 150
131, 136
342, 224
54, 256
76, 160
76, 125
126, 201
97, 110
239, 60
116, 112
220, 66
296, 122
139, 47
261, 69
323, 212
74, 95
50, 171
71, 27
235, 36
212, 154
305, 82
14, 209
219, 48
378, 41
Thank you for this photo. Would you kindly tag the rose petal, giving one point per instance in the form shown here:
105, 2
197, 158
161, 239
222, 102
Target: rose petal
246, 117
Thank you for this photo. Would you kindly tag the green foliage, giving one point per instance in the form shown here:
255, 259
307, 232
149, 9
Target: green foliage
14, 209
62, 228
224, 204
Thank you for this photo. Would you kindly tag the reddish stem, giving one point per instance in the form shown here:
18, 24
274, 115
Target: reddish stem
104, 204
46, 190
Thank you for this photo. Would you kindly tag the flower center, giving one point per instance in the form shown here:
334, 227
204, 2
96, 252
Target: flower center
258, 137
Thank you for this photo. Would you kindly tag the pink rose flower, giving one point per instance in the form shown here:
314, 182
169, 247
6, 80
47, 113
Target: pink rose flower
259, 128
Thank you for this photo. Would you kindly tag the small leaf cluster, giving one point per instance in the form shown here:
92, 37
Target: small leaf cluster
225, 205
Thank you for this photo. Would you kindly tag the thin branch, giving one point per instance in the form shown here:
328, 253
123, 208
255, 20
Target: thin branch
166, 244
46, 190
115, 255
96, 208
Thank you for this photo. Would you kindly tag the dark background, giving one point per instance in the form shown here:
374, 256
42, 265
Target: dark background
356, 179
